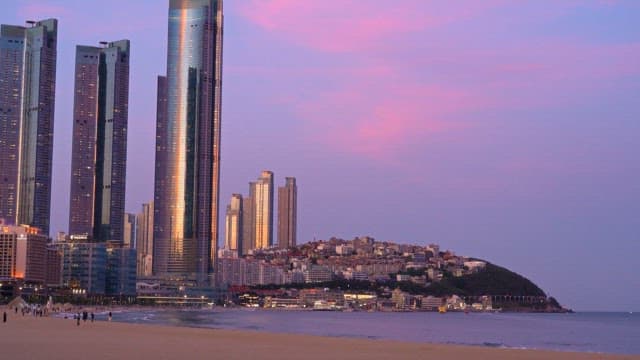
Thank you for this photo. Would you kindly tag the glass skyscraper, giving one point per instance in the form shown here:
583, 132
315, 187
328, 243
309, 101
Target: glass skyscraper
188, 143
27, 102
99, 156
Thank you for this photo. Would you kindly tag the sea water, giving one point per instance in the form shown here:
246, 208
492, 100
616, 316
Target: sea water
582, 332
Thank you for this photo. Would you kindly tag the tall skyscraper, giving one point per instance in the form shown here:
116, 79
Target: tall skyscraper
144, 240
188, 143
99, 157
287, 213
233, 225
27, 103
261, 191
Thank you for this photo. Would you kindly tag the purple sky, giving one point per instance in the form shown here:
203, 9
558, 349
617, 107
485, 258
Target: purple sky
504, 130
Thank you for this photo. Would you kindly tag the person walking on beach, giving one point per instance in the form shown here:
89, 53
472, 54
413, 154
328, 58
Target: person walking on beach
110, 315
4, 317
92, 317
78, 320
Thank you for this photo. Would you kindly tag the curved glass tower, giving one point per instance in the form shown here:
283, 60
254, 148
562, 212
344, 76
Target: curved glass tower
188, 143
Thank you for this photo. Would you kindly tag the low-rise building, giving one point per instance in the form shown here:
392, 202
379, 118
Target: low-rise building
84, 266
317, 274
23, 253
431, 303
121, 269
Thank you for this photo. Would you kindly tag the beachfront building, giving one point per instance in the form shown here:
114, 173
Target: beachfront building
27, 101
23, 253
188, 144
287, 214
98, 268
99, 156
121, 269
53, 275
84, 266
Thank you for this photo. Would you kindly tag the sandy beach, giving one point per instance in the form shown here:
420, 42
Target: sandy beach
52, 338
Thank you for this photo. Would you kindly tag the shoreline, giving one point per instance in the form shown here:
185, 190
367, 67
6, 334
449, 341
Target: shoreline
57, 338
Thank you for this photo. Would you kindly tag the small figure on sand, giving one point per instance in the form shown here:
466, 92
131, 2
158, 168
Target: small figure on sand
92, 317
110, 315
4, 317
78, 320
85, 316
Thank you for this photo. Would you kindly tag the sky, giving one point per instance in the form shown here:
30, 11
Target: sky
503, 130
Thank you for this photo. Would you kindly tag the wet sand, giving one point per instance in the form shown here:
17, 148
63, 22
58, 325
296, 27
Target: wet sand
51, 338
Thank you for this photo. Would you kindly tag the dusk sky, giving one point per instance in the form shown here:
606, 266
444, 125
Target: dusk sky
504, 130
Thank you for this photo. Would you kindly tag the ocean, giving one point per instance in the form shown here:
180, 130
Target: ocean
596, 332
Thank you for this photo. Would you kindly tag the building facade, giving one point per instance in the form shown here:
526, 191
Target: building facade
23, 253
144, 240
53, 275
120, 276
27, 103
233, 224
261, 192
130, 229
188, 143
287, 214
84, 266
99, 155
248, 221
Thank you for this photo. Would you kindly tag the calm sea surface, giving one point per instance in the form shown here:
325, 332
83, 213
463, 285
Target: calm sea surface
584, 332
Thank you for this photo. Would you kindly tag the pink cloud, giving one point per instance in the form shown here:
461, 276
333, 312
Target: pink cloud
36, 10
380, 124
413, 72
351, 25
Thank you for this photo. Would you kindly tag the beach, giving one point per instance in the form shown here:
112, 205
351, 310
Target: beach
31, 337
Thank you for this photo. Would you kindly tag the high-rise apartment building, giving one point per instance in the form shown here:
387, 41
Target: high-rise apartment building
248, 221
144, 240
188, 143
261, 192
99, 157
287, 213
233, 225
27, 103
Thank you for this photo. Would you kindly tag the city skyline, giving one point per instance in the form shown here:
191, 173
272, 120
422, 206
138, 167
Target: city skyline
511, 134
